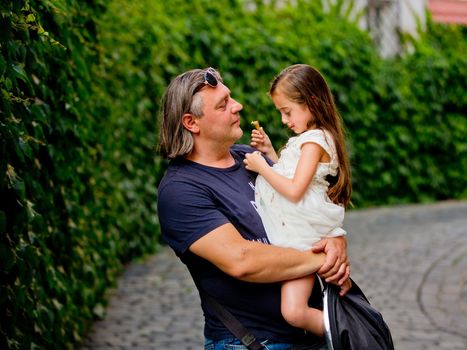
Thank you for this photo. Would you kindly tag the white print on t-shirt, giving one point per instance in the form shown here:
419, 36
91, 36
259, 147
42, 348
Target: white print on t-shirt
253, 202
263, 240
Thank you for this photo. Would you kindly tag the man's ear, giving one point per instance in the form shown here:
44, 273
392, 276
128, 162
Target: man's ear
190, 122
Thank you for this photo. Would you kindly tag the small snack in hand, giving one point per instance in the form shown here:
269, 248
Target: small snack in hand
255, 123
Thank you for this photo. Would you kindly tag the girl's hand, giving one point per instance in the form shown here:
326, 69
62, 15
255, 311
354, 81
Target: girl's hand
255, 161
260, 140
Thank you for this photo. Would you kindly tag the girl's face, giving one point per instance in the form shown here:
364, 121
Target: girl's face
297, 117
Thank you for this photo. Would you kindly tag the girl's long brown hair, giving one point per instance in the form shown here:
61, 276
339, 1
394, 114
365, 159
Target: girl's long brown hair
304, 84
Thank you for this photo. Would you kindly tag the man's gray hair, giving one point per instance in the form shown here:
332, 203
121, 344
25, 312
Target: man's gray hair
174, 139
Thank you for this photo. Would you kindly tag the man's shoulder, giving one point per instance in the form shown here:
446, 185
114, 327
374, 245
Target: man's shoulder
177, 173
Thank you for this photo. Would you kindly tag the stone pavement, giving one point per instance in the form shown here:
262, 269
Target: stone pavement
411, 262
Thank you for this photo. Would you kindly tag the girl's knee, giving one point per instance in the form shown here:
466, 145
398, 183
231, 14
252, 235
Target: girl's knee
294, 315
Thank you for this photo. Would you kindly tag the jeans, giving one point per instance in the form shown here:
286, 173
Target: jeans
235, 344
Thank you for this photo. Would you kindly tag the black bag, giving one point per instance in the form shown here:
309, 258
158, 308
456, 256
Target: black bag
352, 323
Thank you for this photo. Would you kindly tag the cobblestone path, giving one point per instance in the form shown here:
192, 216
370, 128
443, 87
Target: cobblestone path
411, 262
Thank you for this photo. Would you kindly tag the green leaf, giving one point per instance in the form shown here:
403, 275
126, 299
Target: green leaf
19, 72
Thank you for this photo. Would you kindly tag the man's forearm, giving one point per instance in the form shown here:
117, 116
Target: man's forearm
266, 263
254, 261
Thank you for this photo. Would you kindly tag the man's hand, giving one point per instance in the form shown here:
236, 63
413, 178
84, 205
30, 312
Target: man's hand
345, 287
336, 268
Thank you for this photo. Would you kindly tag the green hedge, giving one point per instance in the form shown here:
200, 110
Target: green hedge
418, 149
56, 256
81, 83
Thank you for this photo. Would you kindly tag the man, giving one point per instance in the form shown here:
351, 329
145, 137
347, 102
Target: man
207, 215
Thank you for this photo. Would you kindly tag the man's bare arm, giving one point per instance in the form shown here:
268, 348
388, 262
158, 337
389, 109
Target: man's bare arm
253, 261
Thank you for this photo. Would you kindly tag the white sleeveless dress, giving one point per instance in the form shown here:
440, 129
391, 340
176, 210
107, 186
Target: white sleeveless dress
299, 225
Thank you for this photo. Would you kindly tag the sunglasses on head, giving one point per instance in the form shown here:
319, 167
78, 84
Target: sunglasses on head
209, 79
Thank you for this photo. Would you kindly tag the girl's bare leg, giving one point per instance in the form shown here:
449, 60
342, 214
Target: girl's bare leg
294, 305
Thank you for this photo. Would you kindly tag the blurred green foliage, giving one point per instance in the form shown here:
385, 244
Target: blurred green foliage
57, 255
80, 89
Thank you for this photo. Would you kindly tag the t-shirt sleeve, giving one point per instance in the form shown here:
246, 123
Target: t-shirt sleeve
319, 137
186, 212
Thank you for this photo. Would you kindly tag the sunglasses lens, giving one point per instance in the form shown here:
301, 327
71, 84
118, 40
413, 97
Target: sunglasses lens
210, 79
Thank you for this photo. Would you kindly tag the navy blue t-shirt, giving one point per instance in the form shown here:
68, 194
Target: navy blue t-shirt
194, 200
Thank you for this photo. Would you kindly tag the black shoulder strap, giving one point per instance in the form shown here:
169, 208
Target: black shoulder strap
232, 324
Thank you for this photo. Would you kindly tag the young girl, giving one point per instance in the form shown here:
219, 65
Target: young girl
296, 202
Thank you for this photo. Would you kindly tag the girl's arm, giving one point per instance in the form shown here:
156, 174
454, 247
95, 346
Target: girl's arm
292, 189
260, 140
